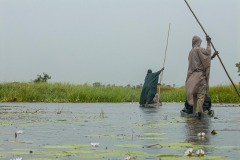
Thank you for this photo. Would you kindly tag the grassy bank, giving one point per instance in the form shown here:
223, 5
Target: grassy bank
218, 94
64, 92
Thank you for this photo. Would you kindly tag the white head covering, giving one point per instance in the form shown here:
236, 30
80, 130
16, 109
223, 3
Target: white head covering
196, 41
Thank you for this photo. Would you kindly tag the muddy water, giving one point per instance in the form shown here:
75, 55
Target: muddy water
120, 130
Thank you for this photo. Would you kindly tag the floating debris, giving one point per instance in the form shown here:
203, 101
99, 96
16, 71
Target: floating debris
153, 145
94, 144
201, 134
213, 132
19, 158
18, 132
200, 152
189, 152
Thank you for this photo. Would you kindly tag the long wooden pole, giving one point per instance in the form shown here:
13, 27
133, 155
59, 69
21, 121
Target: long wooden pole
213, 48
164, 59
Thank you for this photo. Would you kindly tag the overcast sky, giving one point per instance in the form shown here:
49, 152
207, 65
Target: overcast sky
114, 41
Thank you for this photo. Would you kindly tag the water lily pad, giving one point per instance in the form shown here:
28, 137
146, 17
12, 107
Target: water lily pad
74, 146
180, 157
154, 134
129, 145
42, 159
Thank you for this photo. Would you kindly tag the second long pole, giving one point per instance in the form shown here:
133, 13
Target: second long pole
165, 55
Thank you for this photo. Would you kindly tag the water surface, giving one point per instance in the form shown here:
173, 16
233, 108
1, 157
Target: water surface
66, 130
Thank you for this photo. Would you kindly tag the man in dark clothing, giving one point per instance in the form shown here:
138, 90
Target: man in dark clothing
149, 89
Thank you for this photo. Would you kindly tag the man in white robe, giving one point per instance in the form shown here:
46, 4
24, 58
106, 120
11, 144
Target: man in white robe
198, 73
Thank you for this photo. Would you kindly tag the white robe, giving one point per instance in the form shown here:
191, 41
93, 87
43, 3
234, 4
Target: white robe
198, 70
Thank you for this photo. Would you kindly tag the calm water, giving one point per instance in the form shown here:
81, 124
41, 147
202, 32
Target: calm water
66, 131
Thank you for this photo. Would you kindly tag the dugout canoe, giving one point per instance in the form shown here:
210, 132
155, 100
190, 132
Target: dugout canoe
204, 115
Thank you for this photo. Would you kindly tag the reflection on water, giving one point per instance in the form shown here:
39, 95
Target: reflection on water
151, 115
150, 110
194, 127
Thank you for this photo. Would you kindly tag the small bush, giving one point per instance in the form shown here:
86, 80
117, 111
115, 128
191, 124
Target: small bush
43, 78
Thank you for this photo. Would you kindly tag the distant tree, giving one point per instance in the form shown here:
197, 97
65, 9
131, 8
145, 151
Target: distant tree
43, 78
139, 86
128, 86
97, 84
238, 66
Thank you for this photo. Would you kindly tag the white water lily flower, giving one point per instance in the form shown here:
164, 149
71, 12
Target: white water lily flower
19, 158
200, 152
201, 134
189, 152
95, 144
19, 132
128, 158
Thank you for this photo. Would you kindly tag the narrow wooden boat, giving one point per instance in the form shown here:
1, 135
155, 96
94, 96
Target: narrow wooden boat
187, 111
205, 114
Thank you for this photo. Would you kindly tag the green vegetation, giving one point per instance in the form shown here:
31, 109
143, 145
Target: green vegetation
43, 78
238, 66
219, 94
64, 92
225, 94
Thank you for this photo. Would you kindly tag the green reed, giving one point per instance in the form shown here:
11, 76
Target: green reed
224, 94
218, 94
173, 95
65, 92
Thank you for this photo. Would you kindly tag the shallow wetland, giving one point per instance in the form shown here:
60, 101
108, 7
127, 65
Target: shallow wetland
115, 131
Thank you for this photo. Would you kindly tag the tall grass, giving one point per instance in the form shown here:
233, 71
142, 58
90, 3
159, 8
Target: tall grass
173, 95
218, 94
224, 94
64, 92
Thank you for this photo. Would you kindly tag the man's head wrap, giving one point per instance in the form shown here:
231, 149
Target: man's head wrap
196, 41
149, 71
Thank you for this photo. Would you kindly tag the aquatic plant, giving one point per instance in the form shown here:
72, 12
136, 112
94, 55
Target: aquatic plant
102, 114
18, 132
60, 110
65, 92
200, 152
201, 134
19, 158
218, 94
128, 158
189, 152
95, 144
